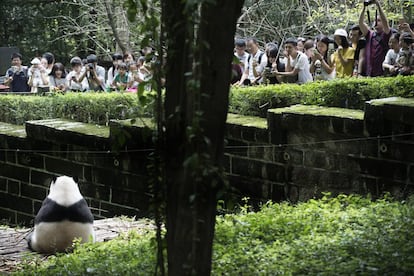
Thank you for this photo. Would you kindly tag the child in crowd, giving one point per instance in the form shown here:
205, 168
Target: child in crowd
390, 62
121, 79
73, 78
113, 70
57, 78
405, 61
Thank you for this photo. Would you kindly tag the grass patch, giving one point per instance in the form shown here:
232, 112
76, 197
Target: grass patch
345, 235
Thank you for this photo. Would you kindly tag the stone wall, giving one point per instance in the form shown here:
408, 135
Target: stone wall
113, 182
297, 153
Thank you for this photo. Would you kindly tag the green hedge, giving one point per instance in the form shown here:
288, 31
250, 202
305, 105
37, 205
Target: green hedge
96, 108
350, 93
100, 107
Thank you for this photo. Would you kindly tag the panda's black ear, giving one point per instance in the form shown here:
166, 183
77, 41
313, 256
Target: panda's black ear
76, 179
54, 179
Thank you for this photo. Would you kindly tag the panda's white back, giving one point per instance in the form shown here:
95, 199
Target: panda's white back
51, 237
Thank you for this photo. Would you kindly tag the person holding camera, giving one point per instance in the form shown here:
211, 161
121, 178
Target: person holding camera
296, 63
73, 79
17, 75
321, 66
376, 40
94, 74
38, 77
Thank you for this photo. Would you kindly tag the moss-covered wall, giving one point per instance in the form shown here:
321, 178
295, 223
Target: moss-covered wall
296, 153
114, 182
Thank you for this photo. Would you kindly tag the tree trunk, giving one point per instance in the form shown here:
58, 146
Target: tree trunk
198, 73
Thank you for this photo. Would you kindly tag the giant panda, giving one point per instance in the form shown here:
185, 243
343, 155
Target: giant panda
63, 217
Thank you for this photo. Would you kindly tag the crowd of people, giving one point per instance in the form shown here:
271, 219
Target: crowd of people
360, 51
365, 51
45, 74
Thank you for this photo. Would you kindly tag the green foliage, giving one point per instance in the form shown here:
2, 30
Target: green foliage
346, 235
131, 254
96, 108
308, 18
350, 93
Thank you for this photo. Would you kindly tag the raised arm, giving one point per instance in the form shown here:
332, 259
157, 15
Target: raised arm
384, 20
364, 27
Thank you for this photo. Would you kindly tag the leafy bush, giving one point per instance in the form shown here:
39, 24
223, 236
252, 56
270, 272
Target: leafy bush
130, 254
349, 93
346, 235
96, 108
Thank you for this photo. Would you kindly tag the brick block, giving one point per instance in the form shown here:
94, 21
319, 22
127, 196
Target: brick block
24, 219
383, 168
7, 216
111, 210
14, 172
33, 191
16, 203
98, 192
13, 187
63, 167
40, 178
30, 160
237, 147
322, 160
3, 184
130, 198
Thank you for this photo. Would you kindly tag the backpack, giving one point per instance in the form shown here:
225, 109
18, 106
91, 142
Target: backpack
259, 60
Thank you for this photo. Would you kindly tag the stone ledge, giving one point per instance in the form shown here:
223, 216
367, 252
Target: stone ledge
12, 130
389, 115
320, 111
310, 118
70, 132
246, 121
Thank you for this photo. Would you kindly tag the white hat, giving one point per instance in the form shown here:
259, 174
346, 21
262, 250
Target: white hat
35, 61
341, 32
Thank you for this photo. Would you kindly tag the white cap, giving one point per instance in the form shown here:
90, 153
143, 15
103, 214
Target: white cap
341, 32
35, 61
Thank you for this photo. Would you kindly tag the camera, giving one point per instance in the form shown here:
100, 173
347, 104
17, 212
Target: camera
91, 66
368, 2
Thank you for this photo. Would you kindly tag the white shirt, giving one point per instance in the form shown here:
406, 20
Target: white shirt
391, 57
76, 86
301, 63
259, 68
242, 59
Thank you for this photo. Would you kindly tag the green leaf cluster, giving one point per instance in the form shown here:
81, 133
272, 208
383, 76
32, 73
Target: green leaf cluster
96, 108
349, 93
130, 254
345, 235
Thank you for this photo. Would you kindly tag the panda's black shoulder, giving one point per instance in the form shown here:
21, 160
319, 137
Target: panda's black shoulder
51, 211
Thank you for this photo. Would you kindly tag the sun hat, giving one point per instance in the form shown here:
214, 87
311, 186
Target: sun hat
341, 32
